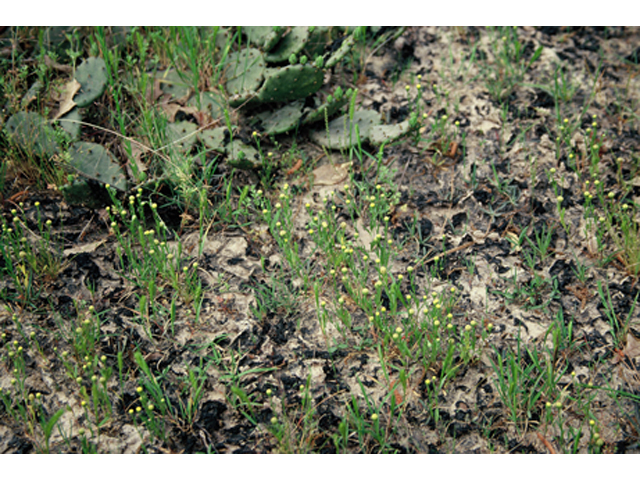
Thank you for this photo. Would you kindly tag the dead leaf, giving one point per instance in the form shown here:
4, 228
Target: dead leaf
171, 109
592, 240
632, 349
87, 248
366, 238
66, 98
331, 174
189, 110
137, 151
203, 118
154, 93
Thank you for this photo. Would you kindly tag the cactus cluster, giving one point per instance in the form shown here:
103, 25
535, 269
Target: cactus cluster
305, 49
285, 68
33, 134
276, 78
255, 75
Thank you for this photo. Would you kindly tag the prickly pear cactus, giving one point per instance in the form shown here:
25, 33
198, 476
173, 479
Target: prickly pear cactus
291, 44
264, 38
181, 135
240, 155
282, 120
290, 83
326, 109
92, 75
253, 78
209, 102
244, 74
95, 162
70, 123
173, 84
341, 132
248, 77
30, 132
216, 139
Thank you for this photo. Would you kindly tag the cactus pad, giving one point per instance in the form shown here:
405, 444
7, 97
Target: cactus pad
282, 120
243, 156
342, 132
290, 83
95, 162
215, 139
244, 73
291, 44
209, 102
339, 54
264, 38
380, 134
92, 75
319, 37
173, 84
70, 123
30, 133
181, 135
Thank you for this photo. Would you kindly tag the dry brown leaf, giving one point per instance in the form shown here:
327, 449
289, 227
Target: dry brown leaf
154, 93
632, 349
189, 110
363, 234
171, 109
203, 118
66, 98
331, 174
137, 151
87, 248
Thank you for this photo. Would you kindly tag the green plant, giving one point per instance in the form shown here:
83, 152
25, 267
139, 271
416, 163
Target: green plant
518, 384
509, 66
542, 242
619, 329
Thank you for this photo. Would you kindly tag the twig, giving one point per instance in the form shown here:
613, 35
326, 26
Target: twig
546, 444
